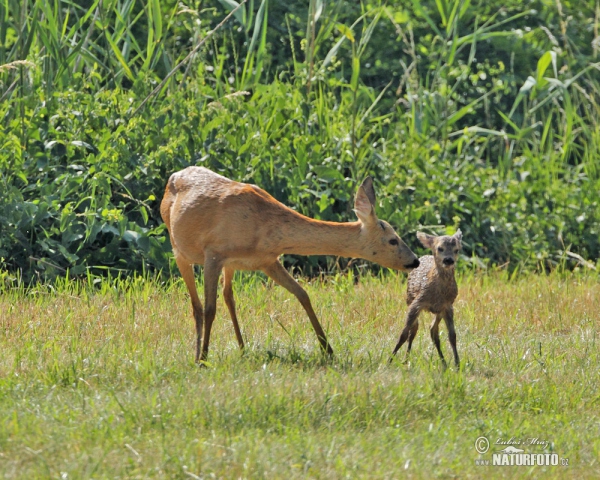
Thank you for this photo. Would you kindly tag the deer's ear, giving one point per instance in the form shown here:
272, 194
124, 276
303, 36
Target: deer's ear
364, 202
367, 186
426, 240
458, 235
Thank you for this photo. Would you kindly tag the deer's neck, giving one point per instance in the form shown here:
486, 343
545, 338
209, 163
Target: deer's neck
306, 236
445, 275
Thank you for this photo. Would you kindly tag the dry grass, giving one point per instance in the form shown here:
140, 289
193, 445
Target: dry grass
102, 384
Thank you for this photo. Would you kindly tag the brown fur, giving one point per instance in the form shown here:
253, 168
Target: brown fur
227, 225
432, 287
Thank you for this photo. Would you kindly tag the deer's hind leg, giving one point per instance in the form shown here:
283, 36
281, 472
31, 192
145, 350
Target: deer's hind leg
412, 335
230, 302
187, 272
411, 324
212, 271
449, 319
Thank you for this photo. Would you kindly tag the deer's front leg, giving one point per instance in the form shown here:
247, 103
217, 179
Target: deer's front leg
281, 276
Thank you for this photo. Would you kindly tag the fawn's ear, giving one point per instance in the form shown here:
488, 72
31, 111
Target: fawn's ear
364, 203
458, 235
426, 240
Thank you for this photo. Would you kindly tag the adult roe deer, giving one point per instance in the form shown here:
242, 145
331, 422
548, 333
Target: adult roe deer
227, 225
432, 287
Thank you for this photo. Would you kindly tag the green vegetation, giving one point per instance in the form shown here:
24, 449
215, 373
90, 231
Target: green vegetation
100, 383
473, 113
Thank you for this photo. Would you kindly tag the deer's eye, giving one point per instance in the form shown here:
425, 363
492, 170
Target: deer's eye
394, 241
440, 249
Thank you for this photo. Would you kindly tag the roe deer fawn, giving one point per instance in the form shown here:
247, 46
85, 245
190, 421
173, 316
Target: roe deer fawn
227, 225
432, 287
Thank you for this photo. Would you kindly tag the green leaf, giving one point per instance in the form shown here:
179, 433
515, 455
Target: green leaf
232, 4
327, 173
318, 9
527, 86
400, 16
543, 64
346, 31
258, 25
419, 11
333, 52
144, 214
355, 72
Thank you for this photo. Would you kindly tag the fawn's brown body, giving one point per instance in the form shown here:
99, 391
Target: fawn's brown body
432, 287
227, 225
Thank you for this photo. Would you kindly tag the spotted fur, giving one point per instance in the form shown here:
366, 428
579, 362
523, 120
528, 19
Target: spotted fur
432, 287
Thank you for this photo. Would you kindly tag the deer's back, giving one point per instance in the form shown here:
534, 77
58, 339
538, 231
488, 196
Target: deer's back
205, 211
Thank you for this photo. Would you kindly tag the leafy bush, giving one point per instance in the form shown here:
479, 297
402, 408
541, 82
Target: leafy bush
461, 118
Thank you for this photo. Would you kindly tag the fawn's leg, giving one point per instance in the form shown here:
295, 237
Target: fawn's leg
281, 276
212, 270
187, 272
230, 302
411, 320
434, 330
449, 319
412, 335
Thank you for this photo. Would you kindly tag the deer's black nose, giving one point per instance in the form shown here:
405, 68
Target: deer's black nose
415, 264
448, 261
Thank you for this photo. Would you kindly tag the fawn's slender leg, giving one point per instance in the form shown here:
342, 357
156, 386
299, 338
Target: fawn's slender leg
449, 319
412, 335
212, 270
281, 276
434, 330
230, 302
187, 272
411, 319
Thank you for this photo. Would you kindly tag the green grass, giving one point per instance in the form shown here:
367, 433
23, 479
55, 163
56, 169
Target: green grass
472, 114
103, 384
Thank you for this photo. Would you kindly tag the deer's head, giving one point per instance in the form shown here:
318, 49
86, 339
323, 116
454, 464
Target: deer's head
380, 243
445, 248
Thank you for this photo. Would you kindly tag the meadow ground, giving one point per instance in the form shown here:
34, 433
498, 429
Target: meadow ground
102, 384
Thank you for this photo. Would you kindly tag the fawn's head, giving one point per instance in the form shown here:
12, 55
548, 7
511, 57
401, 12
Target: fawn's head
445, 248
380, 243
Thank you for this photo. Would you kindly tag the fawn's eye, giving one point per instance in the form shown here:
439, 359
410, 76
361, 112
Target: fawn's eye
456, 251
440, 249
394, 241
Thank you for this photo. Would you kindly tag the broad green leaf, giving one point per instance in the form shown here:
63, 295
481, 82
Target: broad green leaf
327, 173
239, 14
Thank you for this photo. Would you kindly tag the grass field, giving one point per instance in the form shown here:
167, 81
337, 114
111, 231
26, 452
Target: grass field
102, 384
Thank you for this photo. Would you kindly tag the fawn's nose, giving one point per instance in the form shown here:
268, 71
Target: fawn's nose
415, 264
448, 261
